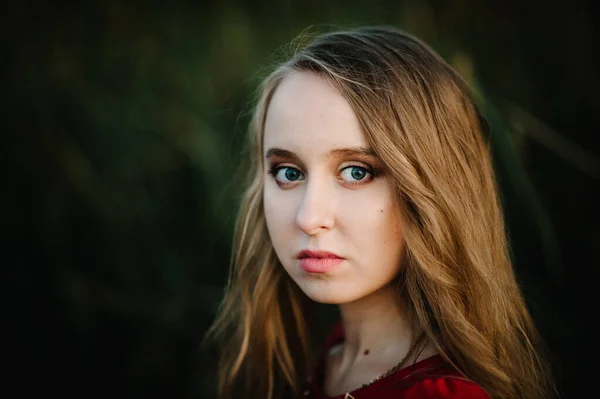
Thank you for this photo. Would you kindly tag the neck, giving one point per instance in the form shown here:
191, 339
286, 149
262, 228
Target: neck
375, 325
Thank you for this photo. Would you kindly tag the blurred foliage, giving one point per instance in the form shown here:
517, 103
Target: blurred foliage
124, 129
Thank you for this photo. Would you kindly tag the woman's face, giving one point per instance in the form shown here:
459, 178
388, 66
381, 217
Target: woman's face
322, 193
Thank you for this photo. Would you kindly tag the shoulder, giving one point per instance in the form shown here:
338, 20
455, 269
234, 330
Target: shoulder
445, 388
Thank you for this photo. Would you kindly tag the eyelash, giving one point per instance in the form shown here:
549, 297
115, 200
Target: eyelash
371, 174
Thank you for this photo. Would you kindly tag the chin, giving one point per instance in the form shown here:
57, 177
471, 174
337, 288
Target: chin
327, 293
325, 299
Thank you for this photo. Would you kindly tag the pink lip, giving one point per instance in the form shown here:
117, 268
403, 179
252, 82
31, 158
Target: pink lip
318, 261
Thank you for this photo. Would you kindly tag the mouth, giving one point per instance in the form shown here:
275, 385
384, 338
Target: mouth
319, 261
317, 255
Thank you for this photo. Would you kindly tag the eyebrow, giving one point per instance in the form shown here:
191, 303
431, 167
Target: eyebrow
338, 152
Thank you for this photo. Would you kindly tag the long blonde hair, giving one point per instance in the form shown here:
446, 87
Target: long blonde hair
422, 121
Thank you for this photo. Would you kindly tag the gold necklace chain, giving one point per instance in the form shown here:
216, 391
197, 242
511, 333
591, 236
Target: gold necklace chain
389, 372
347, 395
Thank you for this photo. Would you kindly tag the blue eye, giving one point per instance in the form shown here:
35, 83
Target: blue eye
354, 173
287, 174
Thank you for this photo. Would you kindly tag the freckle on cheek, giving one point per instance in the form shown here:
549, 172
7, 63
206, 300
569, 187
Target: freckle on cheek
381, 210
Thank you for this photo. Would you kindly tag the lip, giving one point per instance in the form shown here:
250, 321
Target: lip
318, 261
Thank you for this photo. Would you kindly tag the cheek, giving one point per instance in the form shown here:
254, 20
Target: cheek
391, 236
376, 214
375, 225
279, 211
271, 215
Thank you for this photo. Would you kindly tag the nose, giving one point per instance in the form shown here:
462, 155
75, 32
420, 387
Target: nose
315, 213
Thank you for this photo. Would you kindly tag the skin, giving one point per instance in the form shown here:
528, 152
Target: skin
317, 198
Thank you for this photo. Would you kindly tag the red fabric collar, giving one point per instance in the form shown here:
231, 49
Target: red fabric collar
395, 385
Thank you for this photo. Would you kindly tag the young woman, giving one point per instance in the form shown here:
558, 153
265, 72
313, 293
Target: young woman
371, 188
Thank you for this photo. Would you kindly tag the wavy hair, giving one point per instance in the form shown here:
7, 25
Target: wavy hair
422, 121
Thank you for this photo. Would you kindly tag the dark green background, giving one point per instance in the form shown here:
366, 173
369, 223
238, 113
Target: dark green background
123, 130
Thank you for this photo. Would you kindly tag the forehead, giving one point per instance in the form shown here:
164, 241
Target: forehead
307, 113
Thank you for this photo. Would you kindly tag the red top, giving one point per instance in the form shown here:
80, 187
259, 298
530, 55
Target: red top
430, 378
